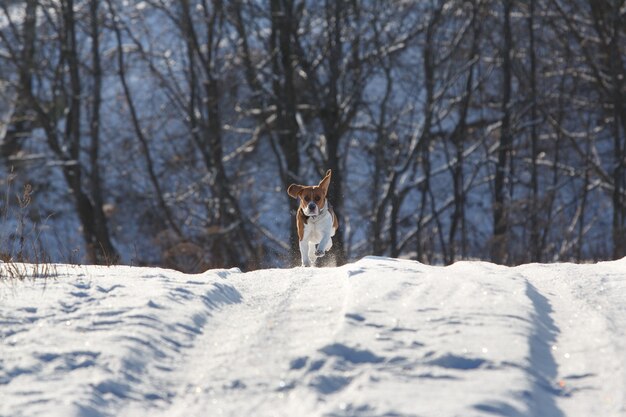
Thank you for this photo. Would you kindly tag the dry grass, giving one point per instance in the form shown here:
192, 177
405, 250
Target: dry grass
21, 256
21, 271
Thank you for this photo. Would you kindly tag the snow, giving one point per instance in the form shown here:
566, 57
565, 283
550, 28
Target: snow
378, 337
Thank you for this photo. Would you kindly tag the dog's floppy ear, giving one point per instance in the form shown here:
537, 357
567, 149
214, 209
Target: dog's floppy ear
325, 182
294, 190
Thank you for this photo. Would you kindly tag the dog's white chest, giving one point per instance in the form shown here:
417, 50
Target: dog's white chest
317, 227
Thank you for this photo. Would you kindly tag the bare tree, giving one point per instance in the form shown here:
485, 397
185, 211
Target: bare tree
500, 207
64, 134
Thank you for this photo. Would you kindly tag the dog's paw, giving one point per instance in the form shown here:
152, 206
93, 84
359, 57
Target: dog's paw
319, 253
306, 264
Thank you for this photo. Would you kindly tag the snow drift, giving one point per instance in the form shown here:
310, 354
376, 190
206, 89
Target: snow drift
379, 337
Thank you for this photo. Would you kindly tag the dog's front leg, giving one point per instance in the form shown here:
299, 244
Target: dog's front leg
312, 255
304, 252
324, 245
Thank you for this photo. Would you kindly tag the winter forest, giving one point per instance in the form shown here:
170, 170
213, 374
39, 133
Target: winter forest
164, 132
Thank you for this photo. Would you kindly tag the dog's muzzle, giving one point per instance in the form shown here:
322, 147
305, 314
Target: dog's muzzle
311, 209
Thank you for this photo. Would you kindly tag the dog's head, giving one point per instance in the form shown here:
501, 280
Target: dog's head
312, 197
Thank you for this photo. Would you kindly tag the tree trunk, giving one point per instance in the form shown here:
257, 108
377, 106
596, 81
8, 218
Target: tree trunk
535, 239
100, 250
499, 244
285, 100
458, 137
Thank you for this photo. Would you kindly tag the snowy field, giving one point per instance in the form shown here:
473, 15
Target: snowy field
379, 337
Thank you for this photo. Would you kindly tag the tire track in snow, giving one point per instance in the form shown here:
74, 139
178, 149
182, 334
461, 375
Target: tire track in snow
575, 341
245, 362
543, 366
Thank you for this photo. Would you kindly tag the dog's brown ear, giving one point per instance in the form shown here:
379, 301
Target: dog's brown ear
294, 190
325, 182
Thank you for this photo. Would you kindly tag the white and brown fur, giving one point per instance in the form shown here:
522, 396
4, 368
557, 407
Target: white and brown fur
316, 220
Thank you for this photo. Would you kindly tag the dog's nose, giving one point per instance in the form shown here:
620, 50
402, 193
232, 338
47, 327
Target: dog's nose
312, 206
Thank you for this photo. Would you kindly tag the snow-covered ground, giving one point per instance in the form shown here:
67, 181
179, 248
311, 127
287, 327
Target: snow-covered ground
379, 337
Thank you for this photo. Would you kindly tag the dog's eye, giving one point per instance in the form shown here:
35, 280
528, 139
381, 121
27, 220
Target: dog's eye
317, 198
307, 198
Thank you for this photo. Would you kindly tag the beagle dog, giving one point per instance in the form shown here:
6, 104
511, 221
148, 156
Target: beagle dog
315, 219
